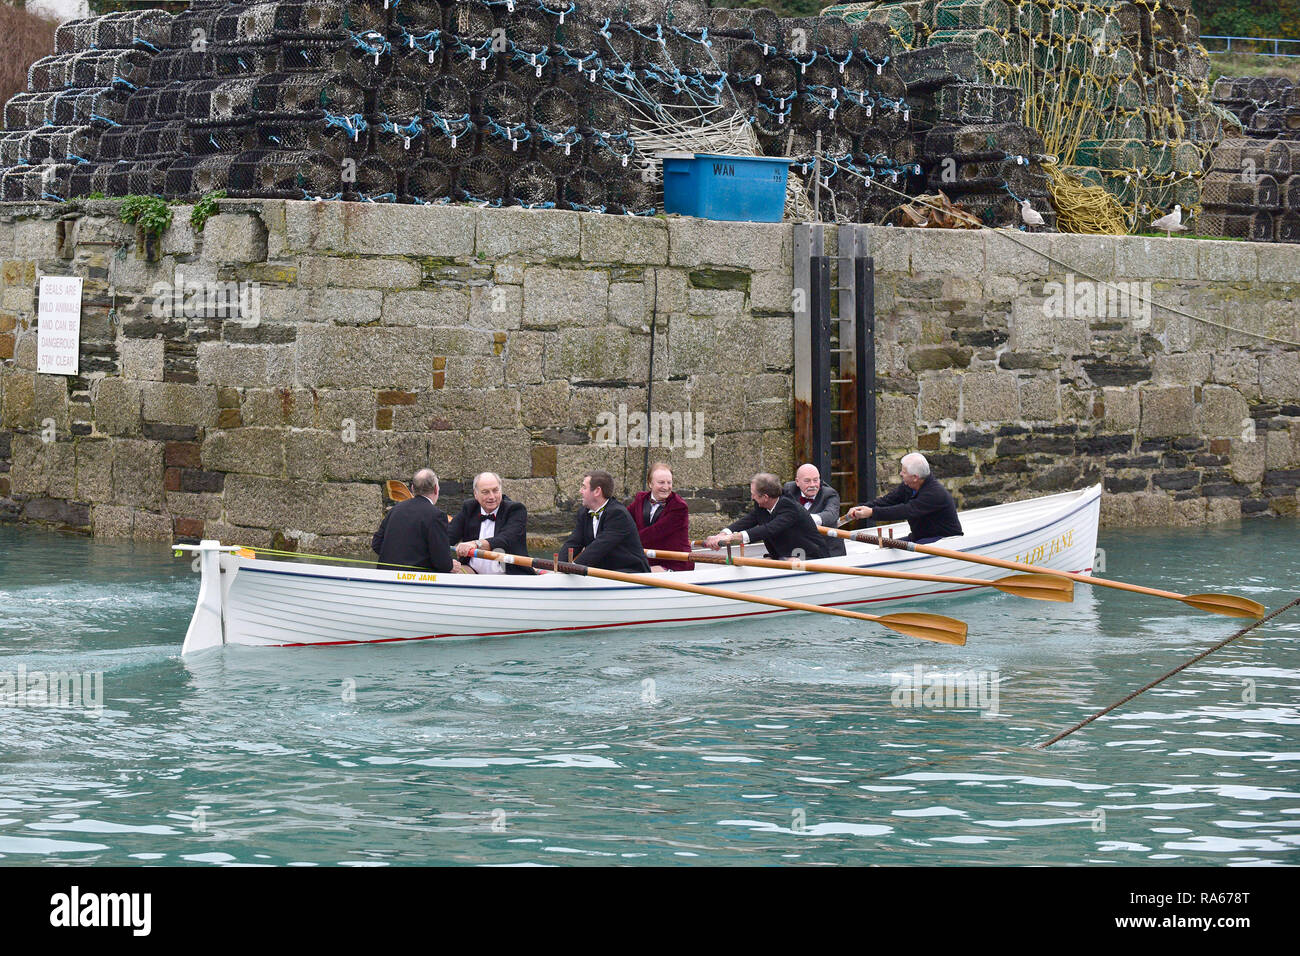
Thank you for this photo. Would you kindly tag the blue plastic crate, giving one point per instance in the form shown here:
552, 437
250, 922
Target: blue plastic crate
732, 188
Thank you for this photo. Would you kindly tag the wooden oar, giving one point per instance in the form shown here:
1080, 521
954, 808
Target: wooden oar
1230, 605
397, 491
927, 627
1039, 587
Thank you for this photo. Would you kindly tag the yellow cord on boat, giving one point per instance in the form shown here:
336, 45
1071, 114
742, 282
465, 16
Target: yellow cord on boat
323, 557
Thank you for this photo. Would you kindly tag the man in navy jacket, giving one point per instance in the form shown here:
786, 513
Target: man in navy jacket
920, 500
605, 535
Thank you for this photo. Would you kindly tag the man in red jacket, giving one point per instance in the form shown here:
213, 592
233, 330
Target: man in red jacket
662, 518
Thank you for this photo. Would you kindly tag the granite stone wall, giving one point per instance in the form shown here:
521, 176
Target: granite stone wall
357, 342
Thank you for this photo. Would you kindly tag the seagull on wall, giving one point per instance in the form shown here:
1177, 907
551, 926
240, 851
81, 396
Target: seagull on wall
1173, 222
1029, 215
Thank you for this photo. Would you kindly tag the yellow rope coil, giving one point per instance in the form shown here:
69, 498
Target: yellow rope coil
1084, 209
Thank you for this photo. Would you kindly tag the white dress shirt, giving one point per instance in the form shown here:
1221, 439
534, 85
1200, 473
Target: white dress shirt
482, 565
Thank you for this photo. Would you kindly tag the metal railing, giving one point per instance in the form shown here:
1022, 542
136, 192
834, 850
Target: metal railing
1274, 42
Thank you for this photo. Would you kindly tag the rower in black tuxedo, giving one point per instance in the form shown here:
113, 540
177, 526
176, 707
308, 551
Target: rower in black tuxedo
820, 500
414, 532
490, 522
605, 535
784, 527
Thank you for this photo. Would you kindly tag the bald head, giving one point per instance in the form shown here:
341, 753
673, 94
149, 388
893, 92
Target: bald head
809, 480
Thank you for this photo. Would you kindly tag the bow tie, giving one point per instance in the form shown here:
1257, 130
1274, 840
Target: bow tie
491, 517
803, 500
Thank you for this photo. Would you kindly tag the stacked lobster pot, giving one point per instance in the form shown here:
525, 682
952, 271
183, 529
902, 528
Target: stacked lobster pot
1267, 107
1252, 190
77, 98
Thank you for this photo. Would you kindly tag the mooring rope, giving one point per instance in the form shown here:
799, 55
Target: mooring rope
1141, 690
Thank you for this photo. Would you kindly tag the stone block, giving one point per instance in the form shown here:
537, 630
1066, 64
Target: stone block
1183, 368
115, 406
772, 292
750, 245
777, 343
138, 473
1019, 254
177, 404
234, 237
41, 468
17, 398
596, 355
989, 397
623, 240
249, 451
524, 358
506, 452
94, 461
284, 406
768, 402
374, 357
201, 507
35, 239
142, 359
948, 253
151, 526
737, 457
558, 298
896, 422
1224, 413
1168, 410
455, 409
1149, 258
51, 402
720, 302
890, 249
1239, 368
179, 239
441, 305
778, 452
536, 494
1088, 255
1228, 261
1040, 399
545, 406
496, 306
1122, 409
1247, 458
111, 521
1282, 447
593, 407
1047, 323
245, 366
1278, 262
1151, 510
940, 397
281, 504
630, 304
395, 229
572, 460
1223, 511
364, 272
1190, 512
1279, 376
553, 234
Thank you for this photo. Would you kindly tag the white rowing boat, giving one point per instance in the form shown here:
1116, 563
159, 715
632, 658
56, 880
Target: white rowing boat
253, 601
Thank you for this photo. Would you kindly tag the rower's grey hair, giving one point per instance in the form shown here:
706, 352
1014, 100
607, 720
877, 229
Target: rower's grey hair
425, 482
767, 484
485, 474
915, 464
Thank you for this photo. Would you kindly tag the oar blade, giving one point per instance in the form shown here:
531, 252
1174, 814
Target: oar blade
1227, 604
1037, 587
397, 491
926, 627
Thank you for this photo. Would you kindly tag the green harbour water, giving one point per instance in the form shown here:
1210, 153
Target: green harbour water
787, 741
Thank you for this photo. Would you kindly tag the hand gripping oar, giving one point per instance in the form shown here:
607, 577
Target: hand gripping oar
927, 627
1227, 604
1039, 587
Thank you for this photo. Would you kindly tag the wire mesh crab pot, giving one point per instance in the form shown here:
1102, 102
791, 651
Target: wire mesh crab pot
533, 184
317, 136
451, 142
934, 66
606, 112
399, 98
633, 193
555, 108
481, 179
428, 180
503, 103
1256, 227
81, 182
168, 102
470, 20
398, 146
366, 70
560, 151
1240, 193
315, 19
50, 73
529, 27
13, 147
265, 174
165, 67
366, 16
220, 101
1112, 154
1286, 227
618, 45
168, 138
73, 35
230, 138
245, 60
584, 190
612, 156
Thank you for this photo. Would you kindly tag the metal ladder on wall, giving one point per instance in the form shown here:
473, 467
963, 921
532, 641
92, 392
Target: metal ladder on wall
835, 359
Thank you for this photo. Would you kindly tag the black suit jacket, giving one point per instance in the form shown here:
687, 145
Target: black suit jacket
929, 511
825, 505
413, 533
786, 529
616, 547
511, 534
